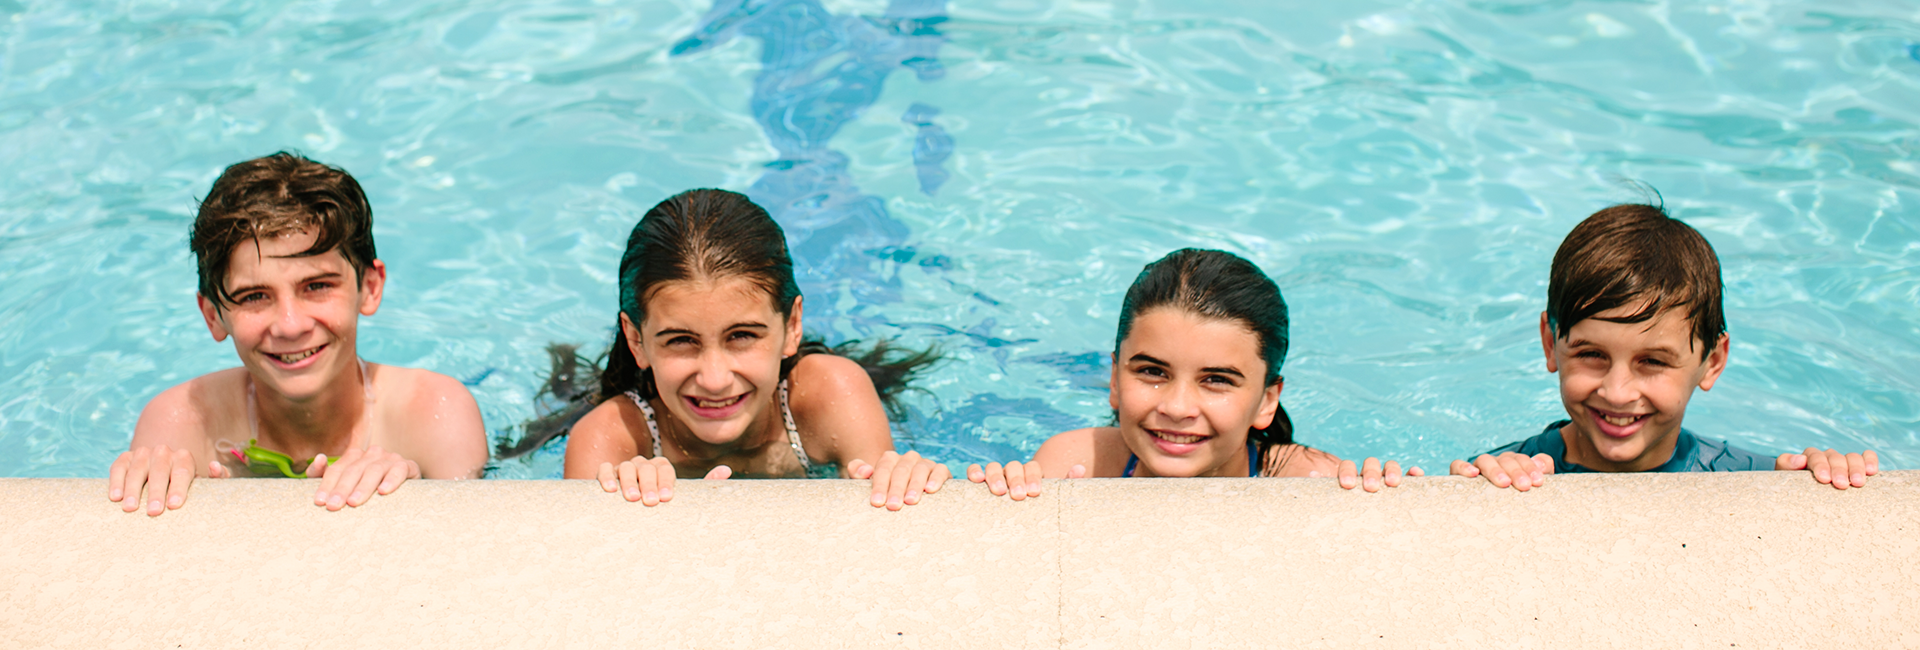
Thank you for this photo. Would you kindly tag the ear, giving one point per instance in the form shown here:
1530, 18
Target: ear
1113, 381
373, 284
1716, 362
631, 336
1269, 404
1546, 343
215, 325
791, 346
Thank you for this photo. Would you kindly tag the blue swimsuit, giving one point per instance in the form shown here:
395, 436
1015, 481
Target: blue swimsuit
1253, 466
1690, 454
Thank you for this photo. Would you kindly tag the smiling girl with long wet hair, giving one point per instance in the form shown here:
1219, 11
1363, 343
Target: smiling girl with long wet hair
709, 376
1195, 388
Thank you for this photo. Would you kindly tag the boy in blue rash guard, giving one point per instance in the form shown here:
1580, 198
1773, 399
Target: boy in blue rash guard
1633, 324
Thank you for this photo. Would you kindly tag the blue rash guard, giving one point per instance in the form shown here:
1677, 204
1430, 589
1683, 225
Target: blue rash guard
1690, 454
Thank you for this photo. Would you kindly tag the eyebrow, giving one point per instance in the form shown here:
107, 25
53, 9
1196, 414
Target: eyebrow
1576, 343
1218, 370
1146, 359
330, 275
735, 326
1226, 370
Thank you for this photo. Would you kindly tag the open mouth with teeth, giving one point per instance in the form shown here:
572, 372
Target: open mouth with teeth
716, 408
1174, 442
1619, 425
294, 358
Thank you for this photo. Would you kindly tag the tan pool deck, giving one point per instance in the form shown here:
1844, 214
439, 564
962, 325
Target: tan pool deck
1762, 559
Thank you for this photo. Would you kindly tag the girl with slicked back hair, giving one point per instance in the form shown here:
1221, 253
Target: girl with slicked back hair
1195, 388
709, 375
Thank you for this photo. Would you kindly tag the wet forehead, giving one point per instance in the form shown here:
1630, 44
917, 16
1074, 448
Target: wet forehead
266, 261
1186, 339
1670, 330
703, 306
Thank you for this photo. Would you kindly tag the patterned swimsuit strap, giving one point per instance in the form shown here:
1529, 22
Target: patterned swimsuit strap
786, 418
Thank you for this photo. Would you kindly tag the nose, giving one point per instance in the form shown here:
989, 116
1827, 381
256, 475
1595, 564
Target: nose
715, 373
1619, 387
1178, 401
292, 323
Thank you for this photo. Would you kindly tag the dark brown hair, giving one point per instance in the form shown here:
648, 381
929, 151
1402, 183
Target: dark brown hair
276, 195
692, 235
1635, 254
1219, 285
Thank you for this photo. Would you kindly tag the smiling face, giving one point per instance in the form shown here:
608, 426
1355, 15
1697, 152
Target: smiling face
1186, 390
715, 348
293, 319
1626, 385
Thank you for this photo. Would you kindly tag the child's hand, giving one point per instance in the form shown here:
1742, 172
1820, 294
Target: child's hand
1024, 479
1372, 475
162, 471
357, 475
1831, 467
899, 480
648, 480
1509, 469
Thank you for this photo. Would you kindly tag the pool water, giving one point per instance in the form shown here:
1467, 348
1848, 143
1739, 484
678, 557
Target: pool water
987, 176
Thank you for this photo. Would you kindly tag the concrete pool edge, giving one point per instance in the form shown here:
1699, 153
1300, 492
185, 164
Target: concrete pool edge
1748, 559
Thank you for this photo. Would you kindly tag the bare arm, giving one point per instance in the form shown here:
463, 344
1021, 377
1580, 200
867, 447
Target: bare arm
838, 412
833, 399
604, 435
170, 448
445, 434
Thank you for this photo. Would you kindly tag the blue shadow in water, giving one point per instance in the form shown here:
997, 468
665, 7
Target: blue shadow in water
819, 71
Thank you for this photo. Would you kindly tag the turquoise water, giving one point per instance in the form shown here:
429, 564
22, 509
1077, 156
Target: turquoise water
988, 176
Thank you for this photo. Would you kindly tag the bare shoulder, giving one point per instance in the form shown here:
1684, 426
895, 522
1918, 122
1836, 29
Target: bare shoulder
1297, 460
837, 410
823, 381
187, 414
610, 433
432, 420
1099, 449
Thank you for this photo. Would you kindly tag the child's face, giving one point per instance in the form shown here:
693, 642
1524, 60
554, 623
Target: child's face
715, 350
1626, 385
293, 319
1186, 390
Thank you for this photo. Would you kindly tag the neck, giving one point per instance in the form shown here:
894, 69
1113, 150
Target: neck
1235, 467
326, 423
763, 431
1580, 451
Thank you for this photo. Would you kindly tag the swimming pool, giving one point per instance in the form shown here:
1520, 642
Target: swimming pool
987, 176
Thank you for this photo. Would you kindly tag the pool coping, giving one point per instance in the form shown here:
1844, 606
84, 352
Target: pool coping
1742, 559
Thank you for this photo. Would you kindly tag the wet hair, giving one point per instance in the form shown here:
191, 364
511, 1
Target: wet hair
1634, 254
1223, 286
277, 195
702, 234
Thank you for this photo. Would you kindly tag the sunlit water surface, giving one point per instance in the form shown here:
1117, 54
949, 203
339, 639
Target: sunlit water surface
1404, 170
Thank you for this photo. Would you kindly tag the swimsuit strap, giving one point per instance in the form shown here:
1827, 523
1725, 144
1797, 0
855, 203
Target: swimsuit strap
786, 417
1253, 467
652, 429
793, 433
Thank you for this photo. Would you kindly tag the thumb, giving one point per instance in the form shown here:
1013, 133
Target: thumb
1077, 471
859, 469
319, 466
1463, 468
719, 473
216, 470
1790, 461
1544, 462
